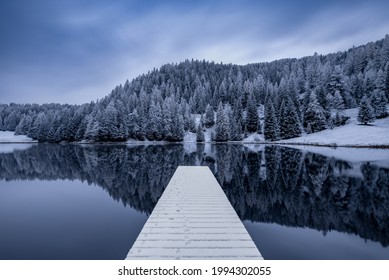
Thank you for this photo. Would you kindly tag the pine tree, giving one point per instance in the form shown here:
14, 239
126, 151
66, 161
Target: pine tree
252, 118
314, 118
378, 103
23, 126
235, 126
338, 102
222, 128
209, 120
154, 127
365, 112
329, 101
199, 133
271, 129
289, 121
238, 113
174, 123
387, 81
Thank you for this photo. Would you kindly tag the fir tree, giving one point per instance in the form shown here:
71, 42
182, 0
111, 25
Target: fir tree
209, 120
378, 103
387, 81
222, 129
252, 118
199, 133
271, 129
235, 126
314, 118
154, 127
289, 121
365, 112
329, 101
338, 102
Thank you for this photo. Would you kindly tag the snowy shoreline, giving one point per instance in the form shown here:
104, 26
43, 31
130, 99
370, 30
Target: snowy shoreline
350, 135
313, 144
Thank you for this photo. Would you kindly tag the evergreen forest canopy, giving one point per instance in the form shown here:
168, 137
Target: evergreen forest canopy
280, 99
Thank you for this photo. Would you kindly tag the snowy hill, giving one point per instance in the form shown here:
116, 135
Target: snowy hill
282, 99
351, 134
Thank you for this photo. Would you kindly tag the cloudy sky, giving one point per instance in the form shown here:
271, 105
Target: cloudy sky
76, 51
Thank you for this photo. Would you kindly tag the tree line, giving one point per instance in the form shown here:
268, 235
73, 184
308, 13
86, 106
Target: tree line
281, 99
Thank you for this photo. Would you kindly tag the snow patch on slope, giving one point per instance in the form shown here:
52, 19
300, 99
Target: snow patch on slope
10, 137
351, 134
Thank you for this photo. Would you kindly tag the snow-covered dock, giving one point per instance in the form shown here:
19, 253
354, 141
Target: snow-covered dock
193, 219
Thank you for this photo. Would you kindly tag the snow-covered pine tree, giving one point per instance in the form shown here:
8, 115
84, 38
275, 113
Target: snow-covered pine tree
329, 101
235, 126
209, 119
12, 120
154, 127
387, 81
337, 101
252, 114
199, 99
271, 129
378, 103
365, 112
23, 126
238, 114
199, 133
338, 83
314, 117
108, 120
134, 130
174, 123
289, 121
222, 128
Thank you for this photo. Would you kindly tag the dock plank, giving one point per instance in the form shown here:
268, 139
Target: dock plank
193, 219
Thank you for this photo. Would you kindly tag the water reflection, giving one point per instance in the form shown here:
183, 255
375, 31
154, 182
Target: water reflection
271, 184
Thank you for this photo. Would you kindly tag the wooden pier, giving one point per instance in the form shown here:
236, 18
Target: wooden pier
193, 219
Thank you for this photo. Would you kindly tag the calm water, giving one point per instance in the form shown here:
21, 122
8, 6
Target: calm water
90, 202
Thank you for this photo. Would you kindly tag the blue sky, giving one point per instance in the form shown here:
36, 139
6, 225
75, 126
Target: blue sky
77, 51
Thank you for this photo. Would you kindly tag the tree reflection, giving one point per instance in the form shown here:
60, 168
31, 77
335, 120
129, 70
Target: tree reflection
267, 184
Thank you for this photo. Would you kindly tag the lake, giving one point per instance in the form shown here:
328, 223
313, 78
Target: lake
91, 201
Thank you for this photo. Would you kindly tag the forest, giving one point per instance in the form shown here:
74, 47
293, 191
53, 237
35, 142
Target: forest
280, 99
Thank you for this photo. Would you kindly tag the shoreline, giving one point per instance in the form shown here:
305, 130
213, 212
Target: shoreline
332, 145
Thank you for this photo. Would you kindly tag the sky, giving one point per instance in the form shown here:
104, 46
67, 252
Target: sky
77, 51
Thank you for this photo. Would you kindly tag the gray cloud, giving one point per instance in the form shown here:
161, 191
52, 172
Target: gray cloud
85, 52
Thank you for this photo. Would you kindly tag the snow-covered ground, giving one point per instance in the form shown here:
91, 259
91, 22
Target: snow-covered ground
9, 137
254, 137
351, 134
10, 142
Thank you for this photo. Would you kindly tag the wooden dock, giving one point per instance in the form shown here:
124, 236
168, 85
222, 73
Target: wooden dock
193, 219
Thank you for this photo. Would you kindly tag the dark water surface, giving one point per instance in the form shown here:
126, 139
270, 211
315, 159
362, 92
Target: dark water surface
91, 201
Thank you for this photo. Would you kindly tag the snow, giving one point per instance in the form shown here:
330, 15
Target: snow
254, 137
10, 142
351, 134
10, 137
190, 137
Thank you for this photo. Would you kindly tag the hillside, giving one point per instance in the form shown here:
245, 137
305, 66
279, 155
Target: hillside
283, 99
351, 134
